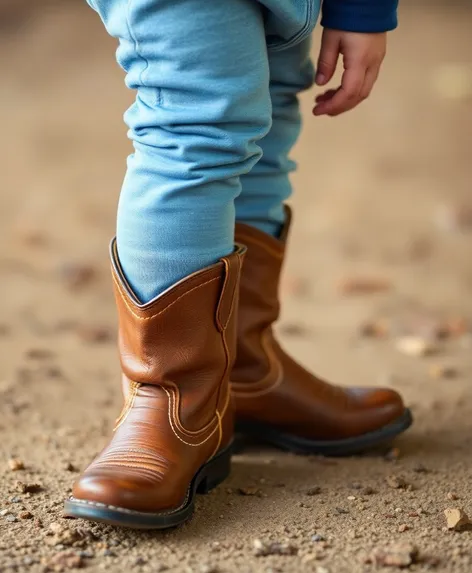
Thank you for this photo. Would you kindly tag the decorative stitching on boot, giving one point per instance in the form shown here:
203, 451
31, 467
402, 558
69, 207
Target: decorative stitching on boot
130, 511
176, 416
257, 393
143, 318
275, 362
220, 427
173, 427
128, 404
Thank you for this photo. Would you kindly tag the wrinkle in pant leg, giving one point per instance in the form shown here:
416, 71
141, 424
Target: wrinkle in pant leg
266, 188
202, 79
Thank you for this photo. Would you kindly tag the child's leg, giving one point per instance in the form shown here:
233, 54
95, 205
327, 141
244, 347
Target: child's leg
267, 186
201, 73
277, 400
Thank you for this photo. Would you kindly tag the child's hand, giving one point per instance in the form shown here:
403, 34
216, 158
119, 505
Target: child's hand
362, 56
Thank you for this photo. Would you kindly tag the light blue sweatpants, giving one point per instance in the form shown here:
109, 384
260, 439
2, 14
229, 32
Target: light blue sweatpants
215, 117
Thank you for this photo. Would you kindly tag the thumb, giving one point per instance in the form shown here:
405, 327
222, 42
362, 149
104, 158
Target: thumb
328, 57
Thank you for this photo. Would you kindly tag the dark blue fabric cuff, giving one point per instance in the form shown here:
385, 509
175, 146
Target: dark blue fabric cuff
365, 16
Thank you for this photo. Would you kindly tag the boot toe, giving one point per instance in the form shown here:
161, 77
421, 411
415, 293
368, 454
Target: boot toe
381, 406
127, 492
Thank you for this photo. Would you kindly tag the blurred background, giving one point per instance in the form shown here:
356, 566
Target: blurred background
378, 290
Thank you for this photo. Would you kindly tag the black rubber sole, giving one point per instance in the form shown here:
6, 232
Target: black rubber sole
208, 477
260, 433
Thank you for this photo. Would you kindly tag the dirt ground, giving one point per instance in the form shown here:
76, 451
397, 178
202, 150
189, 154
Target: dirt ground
383, 196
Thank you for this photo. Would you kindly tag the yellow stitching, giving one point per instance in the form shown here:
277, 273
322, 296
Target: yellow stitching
225, 407
176, 414
220, 426
129, 511
121, 449
128, 405
124, 411
239, 394
137, 466
173, 429
123, 297
220, 423
275, 384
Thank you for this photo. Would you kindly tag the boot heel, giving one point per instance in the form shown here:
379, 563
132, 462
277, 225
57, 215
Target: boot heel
215, 472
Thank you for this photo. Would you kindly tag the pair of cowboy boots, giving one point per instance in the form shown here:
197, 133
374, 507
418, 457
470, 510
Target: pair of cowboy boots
200, 360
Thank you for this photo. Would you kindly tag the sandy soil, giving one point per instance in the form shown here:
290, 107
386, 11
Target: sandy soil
381, 194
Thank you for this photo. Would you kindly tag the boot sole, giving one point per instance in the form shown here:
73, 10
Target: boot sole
262, 433
208, 477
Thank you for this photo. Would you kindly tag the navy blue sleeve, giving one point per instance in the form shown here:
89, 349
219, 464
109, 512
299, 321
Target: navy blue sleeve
365, 16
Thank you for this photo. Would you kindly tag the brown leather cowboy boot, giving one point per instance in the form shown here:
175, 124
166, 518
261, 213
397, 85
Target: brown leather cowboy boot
173, 437
279, 402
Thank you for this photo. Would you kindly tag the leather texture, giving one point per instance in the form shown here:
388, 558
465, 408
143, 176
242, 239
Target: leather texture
176, 353
268, 386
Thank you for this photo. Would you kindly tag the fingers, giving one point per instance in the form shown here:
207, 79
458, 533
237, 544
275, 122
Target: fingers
346, 97
370, 78
325, 96
362, 57
328, 57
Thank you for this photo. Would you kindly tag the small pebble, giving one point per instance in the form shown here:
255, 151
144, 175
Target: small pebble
207, 568
456, 519
11, 518
415, 346
397, 555
28, 487
263, 548
16, 464
64, 560
70, 467
396, 482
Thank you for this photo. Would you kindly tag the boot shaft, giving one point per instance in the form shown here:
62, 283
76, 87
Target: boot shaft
184, 339
259, 305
